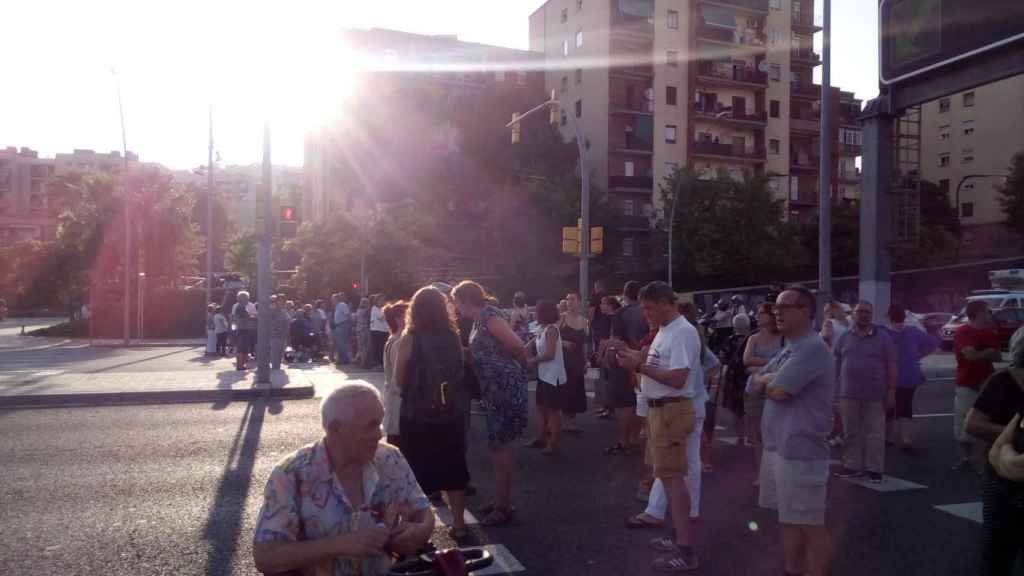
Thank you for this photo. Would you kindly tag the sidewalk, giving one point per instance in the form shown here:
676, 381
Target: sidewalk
60, 388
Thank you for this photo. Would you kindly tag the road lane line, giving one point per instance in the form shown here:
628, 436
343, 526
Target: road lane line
968, 510
889, 484
504, 562
938, 415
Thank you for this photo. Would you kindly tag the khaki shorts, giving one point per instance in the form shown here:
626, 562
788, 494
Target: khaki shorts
668, 427
795, 488
962, 404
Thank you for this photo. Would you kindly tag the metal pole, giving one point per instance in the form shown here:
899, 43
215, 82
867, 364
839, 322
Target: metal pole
825, 169
263, 282
671, 226
127, 219
584, 209
142, 307
209, 217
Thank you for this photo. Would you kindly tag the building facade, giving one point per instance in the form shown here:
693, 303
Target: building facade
713, 85
967, 143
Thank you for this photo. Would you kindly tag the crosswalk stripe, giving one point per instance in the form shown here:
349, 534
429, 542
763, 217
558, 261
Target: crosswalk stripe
504, 562
968, 510
444, 515
889, 484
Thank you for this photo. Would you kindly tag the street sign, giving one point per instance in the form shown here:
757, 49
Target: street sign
933, 48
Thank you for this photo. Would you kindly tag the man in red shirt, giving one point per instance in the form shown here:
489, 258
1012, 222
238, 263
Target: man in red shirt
977, 347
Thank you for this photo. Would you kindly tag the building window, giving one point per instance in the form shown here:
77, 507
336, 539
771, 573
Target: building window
794, 189
968, 126
565, 15
579, 5
773, 146
943, 160
775, 4
628, 208
968, 156
967, 209
521, 78
943, 105
565, 47
579, 38
670, 95
670, 134
629, 168
944, 132
773, 108
579, 108
775, 72
774, 36
672, 58
968, 99
628, 246
579, 75
499, 75
944, 187
565, 84
673, 20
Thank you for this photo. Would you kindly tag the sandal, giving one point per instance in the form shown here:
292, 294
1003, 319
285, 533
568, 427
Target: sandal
458, 535
675, 564
488, 508
644, 520
616, 448
499, 516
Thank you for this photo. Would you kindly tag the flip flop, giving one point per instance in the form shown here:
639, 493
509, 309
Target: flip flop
498, 517
644, 521
616, 448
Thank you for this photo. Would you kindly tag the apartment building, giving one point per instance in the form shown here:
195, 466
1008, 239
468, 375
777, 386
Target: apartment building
23, 206
402, 113
967, 142
710, 84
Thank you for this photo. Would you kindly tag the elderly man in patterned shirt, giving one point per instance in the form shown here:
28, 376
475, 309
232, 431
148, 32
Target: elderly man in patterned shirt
345, 504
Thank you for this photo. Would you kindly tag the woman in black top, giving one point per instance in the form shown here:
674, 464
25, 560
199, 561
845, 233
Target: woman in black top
1001, 402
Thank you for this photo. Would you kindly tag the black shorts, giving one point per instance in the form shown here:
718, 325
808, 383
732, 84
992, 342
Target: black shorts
904, 406
550, 396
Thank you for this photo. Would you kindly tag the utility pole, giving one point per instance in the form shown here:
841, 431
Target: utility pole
264, 265
209, 218
127, 295
825, 167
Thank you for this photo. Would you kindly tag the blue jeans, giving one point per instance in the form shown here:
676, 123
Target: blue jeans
343, 343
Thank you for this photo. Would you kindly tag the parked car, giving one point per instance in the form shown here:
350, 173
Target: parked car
996, 299
932, 322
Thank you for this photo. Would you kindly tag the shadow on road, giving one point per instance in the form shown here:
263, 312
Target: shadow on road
140, 361
224, 523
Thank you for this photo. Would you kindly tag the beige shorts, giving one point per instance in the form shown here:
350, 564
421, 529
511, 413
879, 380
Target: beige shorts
962, 404
796, 488
668, 427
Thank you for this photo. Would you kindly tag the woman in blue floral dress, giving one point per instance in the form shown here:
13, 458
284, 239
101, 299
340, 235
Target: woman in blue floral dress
499, 360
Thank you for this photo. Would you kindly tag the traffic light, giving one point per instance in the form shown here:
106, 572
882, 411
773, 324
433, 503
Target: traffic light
288, 221
515, 128
355, 286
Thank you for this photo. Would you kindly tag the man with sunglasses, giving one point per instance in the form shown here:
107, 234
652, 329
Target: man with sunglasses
799, 382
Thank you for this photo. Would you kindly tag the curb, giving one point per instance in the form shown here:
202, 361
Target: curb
155, 397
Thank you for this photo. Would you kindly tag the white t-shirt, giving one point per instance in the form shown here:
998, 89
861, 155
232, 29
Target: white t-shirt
377, 322
676, 347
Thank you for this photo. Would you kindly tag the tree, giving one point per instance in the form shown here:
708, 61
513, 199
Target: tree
241, 255
938, 236
845, 242
726, 232
1011, 197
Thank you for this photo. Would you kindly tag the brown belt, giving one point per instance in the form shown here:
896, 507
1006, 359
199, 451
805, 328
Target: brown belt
659, 402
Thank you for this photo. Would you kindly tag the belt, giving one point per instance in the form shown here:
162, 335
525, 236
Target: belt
659, 402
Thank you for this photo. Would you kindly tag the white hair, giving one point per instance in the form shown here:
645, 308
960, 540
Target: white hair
741, 323
339, 405
242, 293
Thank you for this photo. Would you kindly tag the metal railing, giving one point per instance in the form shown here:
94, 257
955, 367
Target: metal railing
731, 150
736, 74
722, 112
646, 182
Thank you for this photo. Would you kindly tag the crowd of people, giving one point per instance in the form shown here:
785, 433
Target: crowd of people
796, 392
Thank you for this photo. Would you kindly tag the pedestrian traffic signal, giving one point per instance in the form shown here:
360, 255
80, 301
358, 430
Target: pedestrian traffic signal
355, 285
287, 213
288, 222
515, 128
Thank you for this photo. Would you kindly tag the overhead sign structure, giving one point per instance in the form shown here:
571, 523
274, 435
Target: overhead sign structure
933, 48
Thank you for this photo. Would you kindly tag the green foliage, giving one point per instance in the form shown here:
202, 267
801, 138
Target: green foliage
241, 255
1011, 196
845, 241
726, 232
938, 234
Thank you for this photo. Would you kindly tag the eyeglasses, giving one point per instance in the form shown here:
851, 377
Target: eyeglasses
784, 307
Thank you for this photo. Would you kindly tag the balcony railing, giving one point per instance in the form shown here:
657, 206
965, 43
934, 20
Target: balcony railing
804, 124
850, 175
723, 113
632, 222
742, 37
734, 73
807, 20
758, 5
845, 148
633, 144
810, 163
808, 90
633, 71
644, 182
805, 56
730, 150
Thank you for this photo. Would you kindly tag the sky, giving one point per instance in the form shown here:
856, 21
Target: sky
253, 61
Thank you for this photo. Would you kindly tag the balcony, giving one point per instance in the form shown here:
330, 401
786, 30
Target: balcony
805, 91
632, 72
760, 6
632, 145
850, 176
807, 22
728, 115
732, 36
644, 183
634, 108
804, 57
728, 75
807, 164
850, 149
728, 151
632, 223
809, 125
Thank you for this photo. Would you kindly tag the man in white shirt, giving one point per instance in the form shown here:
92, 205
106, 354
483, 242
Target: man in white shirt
671, 381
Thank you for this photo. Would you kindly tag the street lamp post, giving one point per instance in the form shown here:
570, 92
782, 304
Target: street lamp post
825, 166
142, 306
127, 217
584, 287
209, 217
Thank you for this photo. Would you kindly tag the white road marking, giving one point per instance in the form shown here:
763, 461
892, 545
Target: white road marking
939, 415
968, 510
444, 515
889, 484
504, 562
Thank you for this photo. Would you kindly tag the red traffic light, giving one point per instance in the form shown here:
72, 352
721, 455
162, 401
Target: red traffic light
355, 285
287, 213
